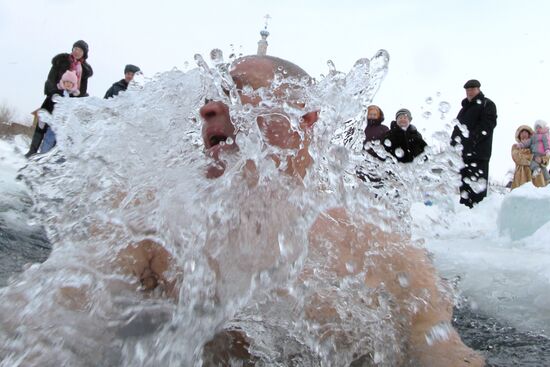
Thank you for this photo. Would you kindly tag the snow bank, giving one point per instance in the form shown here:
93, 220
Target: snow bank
524, 211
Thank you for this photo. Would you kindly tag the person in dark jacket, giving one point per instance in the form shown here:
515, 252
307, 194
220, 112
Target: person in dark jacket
403, 141
129, 72
479, 117
374, 130
75, 61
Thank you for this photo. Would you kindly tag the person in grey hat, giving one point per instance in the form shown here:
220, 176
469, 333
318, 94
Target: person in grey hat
117, 87
479, 117
403, 141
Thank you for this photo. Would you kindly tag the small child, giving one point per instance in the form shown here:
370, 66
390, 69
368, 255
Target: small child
68, 87
540, 147
69, 84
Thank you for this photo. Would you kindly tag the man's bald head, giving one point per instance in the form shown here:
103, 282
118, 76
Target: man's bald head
259, 71
256, 72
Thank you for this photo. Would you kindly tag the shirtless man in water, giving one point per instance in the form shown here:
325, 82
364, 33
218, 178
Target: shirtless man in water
335, 231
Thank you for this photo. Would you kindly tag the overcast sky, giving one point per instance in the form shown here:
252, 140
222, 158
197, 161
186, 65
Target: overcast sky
434, 46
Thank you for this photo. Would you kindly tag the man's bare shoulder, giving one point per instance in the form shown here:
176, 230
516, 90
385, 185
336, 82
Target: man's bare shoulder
340, 225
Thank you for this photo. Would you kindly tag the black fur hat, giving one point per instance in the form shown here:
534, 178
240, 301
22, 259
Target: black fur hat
83, 46
472, 83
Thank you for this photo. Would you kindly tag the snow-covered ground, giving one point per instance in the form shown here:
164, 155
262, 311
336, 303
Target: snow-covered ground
498, 252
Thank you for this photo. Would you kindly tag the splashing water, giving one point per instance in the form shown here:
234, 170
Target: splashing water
439, 333
132, 168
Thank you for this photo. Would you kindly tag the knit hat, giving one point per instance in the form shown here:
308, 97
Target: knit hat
131, 69
472, 83
83, 46
69, 76
541, 124
404, 111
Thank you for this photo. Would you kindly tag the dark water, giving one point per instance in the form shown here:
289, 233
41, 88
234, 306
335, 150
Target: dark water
501, 344
20, 243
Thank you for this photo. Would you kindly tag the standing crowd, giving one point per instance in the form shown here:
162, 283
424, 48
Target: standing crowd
69, 73
68, 77
477, 120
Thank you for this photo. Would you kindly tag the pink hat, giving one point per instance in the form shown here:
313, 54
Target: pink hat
69, 76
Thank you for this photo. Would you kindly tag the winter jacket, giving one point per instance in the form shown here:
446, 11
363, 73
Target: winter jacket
374, 130
409, 141
480, 118
522, 158
49, 104
116, 88
540, 143
60, 64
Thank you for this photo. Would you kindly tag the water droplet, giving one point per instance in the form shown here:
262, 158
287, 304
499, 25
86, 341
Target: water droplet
429, 100
387, 143
399, 153
403, 279
438, 333
484, 132
378, 357
280, 68
331, 66
427, 114
229, 141
444, 107
478, 101
216, 55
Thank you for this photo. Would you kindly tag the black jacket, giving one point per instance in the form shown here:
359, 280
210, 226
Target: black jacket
60, 64
116, 88
480, 117
409, 141
374, 130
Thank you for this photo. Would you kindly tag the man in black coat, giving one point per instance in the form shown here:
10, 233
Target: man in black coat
479, 117
62, 62
129, 72
403, 141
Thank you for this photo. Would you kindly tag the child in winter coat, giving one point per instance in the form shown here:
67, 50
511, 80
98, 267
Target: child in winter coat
69, 84
67, 87
540, 147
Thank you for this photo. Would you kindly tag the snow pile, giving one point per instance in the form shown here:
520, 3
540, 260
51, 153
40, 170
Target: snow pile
525, 211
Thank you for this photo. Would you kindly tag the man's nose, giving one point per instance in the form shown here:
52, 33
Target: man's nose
214, 109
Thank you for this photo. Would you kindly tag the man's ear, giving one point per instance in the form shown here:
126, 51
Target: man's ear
310, 118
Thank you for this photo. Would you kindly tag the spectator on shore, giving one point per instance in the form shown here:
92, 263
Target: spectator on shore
539, 146
129, 72
374, 130
522, 158
479, 117
67, 87
403, 141
77, 62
